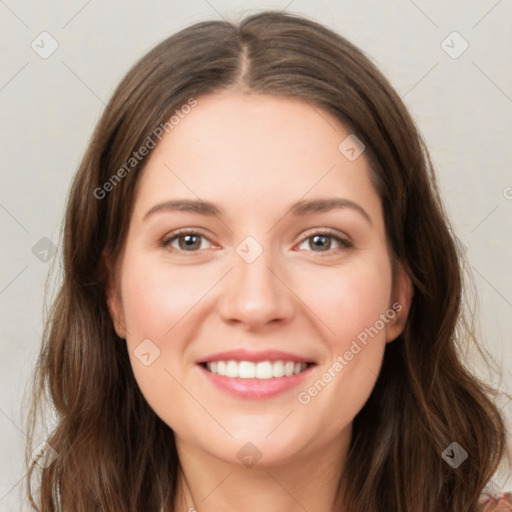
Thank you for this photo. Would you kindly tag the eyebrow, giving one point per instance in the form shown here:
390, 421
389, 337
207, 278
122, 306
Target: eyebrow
298, 209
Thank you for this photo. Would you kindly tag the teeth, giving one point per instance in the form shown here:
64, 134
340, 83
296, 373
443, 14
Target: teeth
261, 370
246, 370
289, 368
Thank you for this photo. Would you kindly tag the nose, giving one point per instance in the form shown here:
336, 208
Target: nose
256, 294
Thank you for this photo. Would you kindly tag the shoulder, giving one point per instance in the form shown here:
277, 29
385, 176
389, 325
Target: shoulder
501, 503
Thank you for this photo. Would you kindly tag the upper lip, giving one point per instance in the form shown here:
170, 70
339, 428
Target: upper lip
255, 356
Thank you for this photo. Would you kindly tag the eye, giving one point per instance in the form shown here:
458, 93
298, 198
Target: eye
188, 241
191, 241
322, 241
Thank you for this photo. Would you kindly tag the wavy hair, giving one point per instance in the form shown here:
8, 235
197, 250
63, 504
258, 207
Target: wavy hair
114, 452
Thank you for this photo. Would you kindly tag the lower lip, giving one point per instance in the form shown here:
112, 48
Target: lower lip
255, 388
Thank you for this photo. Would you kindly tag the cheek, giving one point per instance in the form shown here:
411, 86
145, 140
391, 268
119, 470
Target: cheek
347, 300
156, 303
159, 304
157, 297
351, 307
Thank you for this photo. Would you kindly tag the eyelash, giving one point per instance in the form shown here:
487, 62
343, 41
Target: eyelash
344, 243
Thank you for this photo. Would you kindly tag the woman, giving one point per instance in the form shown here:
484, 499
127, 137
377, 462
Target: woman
261, 302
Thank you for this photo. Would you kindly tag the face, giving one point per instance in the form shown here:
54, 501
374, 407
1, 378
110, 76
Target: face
262, 316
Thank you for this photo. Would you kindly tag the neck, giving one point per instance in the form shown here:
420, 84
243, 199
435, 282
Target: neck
306, 483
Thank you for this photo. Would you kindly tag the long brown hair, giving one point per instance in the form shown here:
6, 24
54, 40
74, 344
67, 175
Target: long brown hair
113, 452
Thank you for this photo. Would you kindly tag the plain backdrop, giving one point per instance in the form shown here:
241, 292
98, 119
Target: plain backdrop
448, 60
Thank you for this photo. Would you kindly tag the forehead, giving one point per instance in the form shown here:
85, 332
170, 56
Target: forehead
254, 150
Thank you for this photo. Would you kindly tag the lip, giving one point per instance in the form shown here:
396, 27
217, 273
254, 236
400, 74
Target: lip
255, 356
255, 388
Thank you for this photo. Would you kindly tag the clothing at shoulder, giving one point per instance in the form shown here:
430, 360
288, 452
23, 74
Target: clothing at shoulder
502, 503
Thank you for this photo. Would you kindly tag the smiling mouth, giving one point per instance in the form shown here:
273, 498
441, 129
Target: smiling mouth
263, 370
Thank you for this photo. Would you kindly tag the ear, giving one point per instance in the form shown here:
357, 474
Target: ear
113, 294
401, 298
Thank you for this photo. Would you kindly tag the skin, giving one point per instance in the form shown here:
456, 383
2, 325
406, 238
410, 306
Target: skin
254, 156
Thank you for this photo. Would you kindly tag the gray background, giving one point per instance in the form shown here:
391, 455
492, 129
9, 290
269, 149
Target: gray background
462, 103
